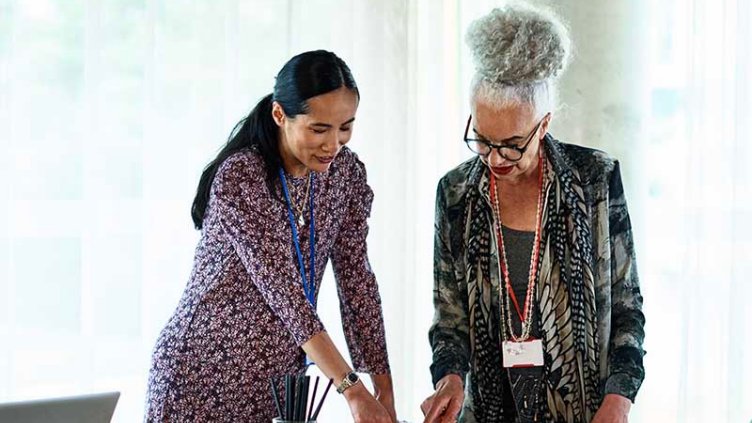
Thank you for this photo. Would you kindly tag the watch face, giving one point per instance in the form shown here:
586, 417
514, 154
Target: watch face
352, 377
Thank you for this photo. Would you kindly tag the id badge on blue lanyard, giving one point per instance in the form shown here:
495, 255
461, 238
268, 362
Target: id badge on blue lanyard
308, 280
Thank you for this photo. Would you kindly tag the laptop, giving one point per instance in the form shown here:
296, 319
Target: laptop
95, 408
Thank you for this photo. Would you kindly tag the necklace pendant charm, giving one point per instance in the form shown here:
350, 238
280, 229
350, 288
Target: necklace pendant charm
301, 221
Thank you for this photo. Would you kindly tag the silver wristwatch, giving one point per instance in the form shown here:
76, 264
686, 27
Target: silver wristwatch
349, 381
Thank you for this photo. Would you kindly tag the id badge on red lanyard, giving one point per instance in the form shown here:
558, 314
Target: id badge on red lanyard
527, 353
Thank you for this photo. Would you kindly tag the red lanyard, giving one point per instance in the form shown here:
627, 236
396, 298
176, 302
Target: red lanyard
536, 245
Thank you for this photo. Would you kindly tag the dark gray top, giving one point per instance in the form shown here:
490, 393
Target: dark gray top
524, 382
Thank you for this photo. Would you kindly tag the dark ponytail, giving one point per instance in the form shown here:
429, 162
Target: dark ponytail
304, 76
258, 128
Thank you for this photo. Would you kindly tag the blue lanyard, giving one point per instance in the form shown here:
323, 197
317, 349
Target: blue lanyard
309, 283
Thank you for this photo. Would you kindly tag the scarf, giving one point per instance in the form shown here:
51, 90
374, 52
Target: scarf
565, 299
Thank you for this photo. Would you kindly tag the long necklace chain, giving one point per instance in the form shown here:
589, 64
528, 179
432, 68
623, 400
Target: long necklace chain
301, 208
527, 321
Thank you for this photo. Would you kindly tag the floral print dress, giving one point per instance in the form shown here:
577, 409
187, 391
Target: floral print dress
244, 315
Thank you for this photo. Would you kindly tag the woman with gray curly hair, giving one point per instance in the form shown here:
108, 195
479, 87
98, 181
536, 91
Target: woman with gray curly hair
537, 300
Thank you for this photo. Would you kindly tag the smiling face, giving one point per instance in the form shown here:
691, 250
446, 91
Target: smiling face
311, 141
511, 126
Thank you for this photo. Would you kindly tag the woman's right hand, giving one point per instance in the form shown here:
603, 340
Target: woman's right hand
445, 404
364, 407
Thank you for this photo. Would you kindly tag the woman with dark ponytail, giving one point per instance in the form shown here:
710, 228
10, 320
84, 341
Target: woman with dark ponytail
281, 198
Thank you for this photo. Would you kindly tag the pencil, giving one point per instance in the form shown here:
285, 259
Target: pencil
323, 397
298, 397
313, 399
289, 396
275, 395
304, 401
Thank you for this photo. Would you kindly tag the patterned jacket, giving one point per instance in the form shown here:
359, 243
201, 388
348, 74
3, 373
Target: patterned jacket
618, 302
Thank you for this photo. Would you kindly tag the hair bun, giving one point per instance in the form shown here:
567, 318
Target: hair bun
517, 44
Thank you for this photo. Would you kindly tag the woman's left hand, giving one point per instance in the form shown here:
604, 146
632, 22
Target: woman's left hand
384, 393
387, 400
614, 409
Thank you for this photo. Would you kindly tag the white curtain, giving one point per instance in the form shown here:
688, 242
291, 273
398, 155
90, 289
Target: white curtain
698, 254
110, 108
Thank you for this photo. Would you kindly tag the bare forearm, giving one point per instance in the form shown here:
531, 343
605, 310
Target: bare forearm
382, 384
324, 353
384, 393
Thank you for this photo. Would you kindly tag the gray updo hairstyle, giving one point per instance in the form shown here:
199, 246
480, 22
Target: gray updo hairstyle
519, 51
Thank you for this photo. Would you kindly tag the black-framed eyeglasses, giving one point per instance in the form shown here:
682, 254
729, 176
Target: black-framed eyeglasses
512, 153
